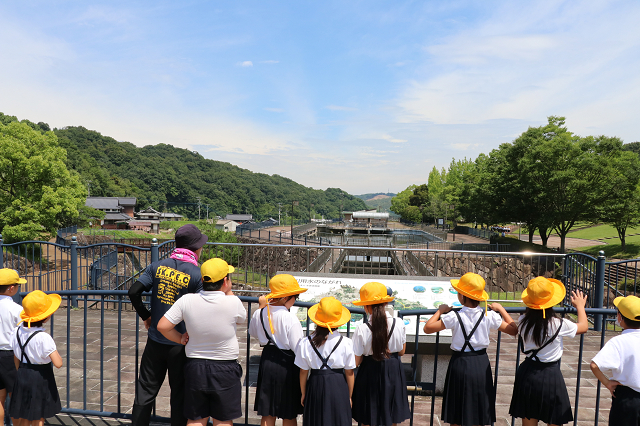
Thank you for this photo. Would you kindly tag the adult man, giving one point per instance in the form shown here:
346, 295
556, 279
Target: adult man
212, 373
169, 279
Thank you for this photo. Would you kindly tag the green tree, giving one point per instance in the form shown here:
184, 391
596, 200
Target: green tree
37, 192
400, 205
420, 199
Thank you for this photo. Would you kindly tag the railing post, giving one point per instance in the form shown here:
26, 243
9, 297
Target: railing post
154, 250
1, 252
74, 269
598, 297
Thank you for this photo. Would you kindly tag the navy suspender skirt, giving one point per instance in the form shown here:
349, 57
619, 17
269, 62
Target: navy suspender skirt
326, 401
278, 390
380, 391
539, 390
469, 396
35, 395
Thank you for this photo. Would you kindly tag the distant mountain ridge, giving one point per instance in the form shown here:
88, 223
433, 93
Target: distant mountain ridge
380, 201
179, 180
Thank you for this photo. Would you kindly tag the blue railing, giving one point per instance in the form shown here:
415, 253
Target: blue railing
101, 343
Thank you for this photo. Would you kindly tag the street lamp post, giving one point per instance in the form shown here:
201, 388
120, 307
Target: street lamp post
293, 203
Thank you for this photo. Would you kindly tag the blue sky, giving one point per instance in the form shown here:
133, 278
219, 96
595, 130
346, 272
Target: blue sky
367, 96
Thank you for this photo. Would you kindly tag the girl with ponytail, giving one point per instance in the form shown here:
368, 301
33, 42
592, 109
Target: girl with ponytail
380, 391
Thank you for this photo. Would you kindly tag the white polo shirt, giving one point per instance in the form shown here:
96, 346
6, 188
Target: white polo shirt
469, 317
9, 318
619, 359
553, 351
38, 349
286, 327
211, 318
343, 357
362, 337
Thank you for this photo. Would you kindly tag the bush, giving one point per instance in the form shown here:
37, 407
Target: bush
230, 254
629, 285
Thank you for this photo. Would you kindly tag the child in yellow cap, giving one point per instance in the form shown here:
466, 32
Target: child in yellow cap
35, 395
278, 330
617, 365
380, 391
10, 283
326, 394
539, 391
469, 396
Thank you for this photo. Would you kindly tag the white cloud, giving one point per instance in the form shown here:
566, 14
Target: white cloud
245, 64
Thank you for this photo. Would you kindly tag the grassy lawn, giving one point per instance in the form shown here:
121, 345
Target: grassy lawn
632, 250
501, 295
603, 232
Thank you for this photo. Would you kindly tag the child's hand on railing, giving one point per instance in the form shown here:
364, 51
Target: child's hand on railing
578, 299
444, 308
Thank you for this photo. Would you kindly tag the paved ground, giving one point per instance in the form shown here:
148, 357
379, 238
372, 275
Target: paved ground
109, 372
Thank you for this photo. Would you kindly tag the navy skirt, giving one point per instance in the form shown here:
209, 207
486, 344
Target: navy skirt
380, 392
35, 395
469, 397
278, 391
625, 407
326, 400
539, 392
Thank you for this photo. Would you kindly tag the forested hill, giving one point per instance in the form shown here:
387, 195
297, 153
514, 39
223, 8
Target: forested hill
162, 175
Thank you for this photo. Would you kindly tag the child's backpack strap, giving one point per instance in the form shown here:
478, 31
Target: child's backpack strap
533, 353
467, 338
324, 360
23, 355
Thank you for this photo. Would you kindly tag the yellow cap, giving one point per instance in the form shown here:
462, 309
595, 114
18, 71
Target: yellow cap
373, 293
629, 307
38, 306
329, 313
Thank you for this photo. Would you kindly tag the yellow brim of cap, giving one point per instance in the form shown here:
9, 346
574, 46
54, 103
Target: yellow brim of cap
625, 311
344, 318
386, 299
482, 298
285, 293
55, 304
558, 296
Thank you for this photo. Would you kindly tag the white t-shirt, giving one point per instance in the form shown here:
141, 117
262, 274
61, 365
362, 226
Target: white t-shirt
38, 349
553, 351
286, 327
343, 357
619, 359
469, 317
9, 318
211, 318
362, 337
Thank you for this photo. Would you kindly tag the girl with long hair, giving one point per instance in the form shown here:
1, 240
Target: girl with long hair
380, 390
539, 391
326, 391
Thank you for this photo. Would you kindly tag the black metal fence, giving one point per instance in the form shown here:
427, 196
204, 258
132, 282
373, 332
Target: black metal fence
101, 342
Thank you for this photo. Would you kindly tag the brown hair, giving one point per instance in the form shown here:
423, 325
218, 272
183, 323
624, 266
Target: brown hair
536, 324
319, 336
379, 332
629, 323
473, 302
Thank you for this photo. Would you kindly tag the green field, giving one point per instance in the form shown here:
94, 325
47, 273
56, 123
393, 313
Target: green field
606, 233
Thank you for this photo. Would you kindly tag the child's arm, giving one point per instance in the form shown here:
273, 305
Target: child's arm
303, 384
579, 300
348, 374
508, 325
168, 330
358, 360
56, 359
435, 324
609, 384
262, 302
404, 349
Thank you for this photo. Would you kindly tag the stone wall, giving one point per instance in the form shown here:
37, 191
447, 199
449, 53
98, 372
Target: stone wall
501, 273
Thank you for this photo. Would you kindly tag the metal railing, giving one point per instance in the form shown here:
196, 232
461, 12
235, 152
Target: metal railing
101, 344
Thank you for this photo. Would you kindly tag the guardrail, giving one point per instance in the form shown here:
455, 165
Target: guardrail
101, 344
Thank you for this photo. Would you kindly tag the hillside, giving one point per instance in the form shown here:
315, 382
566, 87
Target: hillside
164, 176
380, 201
